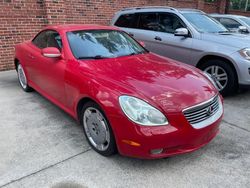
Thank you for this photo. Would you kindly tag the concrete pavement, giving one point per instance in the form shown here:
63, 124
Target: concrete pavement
42, 146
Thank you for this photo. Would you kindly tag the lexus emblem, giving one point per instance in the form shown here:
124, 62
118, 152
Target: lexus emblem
210, 110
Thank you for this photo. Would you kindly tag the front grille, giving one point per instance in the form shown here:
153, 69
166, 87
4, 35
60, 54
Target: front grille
202, 112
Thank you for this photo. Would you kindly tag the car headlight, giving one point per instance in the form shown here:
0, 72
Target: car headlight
210, 79
141, 112
245, 53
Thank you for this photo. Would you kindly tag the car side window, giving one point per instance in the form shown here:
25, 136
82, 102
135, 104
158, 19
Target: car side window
169, 23
148, 21
54, 40
48, 38
40, 40
230, 23
127, 20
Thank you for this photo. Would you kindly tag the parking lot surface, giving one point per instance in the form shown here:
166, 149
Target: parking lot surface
42, 146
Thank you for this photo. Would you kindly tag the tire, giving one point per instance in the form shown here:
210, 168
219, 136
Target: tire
22, 78
220, 71
97, 129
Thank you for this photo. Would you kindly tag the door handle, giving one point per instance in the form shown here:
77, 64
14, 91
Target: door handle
158, 38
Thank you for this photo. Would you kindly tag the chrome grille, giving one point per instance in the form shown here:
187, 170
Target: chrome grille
201, 112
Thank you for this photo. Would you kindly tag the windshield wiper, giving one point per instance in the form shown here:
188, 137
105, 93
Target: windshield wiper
132, 54
136, 53
93, 57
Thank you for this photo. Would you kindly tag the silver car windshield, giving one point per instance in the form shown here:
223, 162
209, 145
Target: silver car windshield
204, 23
246, 20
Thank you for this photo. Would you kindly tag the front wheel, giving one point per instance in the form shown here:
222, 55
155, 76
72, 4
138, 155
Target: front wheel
22, 78
97, 129
223, 76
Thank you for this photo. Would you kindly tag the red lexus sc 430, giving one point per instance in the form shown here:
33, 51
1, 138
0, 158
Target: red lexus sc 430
127, 99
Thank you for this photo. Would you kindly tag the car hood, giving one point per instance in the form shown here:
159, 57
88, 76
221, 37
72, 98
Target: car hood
235, 40
164, 83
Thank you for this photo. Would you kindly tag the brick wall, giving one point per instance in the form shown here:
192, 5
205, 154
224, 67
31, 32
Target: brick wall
20, 20
238, 12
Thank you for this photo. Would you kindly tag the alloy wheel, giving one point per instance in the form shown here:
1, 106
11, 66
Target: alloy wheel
218, 75
96, 128
21, 76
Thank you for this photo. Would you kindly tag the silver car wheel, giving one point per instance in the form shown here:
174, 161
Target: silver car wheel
219, 76
21, 76
96, 128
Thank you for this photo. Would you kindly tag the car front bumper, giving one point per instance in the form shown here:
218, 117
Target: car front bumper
242, 67
176, 138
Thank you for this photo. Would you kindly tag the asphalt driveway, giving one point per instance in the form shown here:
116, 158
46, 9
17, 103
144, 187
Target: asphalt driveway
41, 146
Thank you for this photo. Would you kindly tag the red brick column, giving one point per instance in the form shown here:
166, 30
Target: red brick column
200, 4
55, 11
222, 4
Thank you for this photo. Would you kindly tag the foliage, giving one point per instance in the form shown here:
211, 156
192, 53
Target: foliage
240, 5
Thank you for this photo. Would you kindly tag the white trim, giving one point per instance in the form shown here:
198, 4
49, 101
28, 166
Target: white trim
211, 119
51, 55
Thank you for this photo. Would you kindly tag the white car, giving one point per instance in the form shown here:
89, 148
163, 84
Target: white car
234, 23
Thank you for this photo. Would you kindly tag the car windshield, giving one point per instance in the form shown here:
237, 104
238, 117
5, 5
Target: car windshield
246, 20
100, 44
204, 23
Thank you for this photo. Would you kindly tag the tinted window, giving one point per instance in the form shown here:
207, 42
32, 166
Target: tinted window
54, 40
169, 23
218, 19
127, 20
41, 40
230, 23
97, 44
149, 21
48, 38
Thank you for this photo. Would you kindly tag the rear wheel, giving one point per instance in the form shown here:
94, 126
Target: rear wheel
22, 78
223, 76
97, 129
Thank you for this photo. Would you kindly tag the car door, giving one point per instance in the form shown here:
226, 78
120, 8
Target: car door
35, 46
164, 42
156, 30
48, 73
129, 23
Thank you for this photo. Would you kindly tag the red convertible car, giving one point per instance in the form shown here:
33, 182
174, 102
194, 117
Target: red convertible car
127, 99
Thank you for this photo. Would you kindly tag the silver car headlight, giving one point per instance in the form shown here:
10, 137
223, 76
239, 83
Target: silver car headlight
245, 53
141, 112
210, 79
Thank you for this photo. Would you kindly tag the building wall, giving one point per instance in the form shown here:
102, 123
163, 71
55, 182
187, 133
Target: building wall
21, 20
238, 12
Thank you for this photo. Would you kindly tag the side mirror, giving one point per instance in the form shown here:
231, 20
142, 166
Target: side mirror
142, 43
183, 32
243, 29
51, 52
